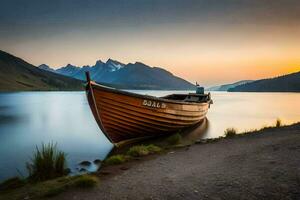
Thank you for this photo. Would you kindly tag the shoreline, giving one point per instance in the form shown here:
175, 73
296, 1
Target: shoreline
260, 164
256, 165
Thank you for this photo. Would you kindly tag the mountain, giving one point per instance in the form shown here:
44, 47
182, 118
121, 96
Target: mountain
226, 87
18, 75
126, 76
139, 75
286, 83
69, 70
46, 67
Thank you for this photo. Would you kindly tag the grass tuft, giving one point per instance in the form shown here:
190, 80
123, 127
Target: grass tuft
153, 148
174, 139
278, 123
115, 160
230, 132
12, 183
143, 150
47, 163
56, 186
137, 151
86, 181
51, 192
49, 188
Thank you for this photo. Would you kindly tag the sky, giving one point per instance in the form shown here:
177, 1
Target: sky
209, 41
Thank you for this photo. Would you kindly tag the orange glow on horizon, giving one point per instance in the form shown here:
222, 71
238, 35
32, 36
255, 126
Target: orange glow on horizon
210, 55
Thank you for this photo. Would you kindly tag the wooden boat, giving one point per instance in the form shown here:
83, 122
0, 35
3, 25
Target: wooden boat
124, 115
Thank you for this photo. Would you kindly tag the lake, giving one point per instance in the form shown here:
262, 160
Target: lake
28, 119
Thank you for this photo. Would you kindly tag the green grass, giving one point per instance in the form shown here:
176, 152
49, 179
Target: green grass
47, 163
12, 183
153, 148
230, 132
50, 188
51, 192
86, 181
174, 139
137, 151
115, 160
143, 150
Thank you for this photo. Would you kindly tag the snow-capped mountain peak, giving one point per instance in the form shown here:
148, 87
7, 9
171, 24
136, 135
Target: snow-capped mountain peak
114, 65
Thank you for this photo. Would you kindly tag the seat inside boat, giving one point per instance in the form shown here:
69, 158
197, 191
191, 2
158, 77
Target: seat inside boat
191, 97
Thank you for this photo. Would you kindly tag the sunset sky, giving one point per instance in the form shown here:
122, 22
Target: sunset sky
209, 41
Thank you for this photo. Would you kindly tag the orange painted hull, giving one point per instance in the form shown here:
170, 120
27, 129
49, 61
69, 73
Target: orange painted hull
123, 115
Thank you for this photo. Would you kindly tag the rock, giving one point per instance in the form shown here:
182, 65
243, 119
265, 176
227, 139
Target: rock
97, 161
82, 170
85, 163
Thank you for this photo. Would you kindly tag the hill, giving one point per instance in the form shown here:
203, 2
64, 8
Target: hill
226, 87
18, 75
126, 76
286, 83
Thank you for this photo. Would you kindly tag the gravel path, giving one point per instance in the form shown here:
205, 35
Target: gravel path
257, 166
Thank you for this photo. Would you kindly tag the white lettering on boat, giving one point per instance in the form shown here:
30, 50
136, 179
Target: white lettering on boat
153, 104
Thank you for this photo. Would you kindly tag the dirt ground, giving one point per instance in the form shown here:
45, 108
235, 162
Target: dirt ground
263, 165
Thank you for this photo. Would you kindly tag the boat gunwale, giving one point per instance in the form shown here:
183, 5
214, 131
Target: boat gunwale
151, 108
141, 96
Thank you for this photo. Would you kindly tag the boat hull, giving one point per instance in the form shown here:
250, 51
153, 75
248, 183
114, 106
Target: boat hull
123, 116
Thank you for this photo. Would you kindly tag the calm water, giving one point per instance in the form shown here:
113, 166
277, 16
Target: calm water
29, 118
